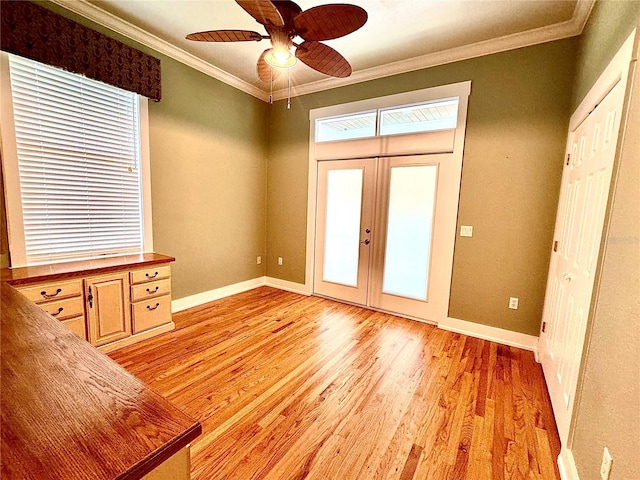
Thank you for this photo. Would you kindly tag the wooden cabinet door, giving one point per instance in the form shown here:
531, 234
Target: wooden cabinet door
108, 313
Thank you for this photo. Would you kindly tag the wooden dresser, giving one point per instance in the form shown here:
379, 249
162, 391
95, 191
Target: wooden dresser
110, 302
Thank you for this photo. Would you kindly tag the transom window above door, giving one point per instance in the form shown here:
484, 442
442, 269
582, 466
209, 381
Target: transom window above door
420, 117
384, 184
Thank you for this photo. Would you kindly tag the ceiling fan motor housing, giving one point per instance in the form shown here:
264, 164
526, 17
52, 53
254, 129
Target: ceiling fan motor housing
284, 20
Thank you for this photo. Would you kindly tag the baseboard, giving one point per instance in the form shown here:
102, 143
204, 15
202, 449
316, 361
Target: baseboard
567, 465
499, 335
222, 292
485, 332
215, 294
294, 287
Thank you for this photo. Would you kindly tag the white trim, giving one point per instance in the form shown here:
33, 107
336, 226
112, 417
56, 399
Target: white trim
549, 33
494, 334
145, 175
215, 294
462, 90
568, 28
459, 89
616, 71
567, 465
110, 21
498, 335
15, 226
294, 287
312, 188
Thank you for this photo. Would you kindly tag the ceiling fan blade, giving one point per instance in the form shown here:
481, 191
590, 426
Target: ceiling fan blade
266, 72
288, 9
326, 22
225, 36
324, 59
263, 11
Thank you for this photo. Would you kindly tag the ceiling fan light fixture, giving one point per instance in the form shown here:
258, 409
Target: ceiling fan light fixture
280, 58
284, 20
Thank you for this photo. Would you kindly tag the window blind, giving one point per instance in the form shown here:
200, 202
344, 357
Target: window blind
79, 164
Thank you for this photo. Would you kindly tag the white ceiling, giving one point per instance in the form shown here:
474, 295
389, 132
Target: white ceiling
399, 36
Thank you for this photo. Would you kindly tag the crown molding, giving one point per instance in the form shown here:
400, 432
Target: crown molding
110, 21
549, 33
558, 31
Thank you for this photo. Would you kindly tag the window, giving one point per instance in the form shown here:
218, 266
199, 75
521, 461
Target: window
76, 166
424, 117
404, 119
357, 125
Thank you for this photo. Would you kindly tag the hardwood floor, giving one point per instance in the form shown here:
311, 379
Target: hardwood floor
294, 387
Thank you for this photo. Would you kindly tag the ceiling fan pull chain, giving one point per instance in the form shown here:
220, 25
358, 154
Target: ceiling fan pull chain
289, 90
270, 86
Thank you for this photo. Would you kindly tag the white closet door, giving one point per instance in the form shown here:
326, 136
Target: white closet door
583, 200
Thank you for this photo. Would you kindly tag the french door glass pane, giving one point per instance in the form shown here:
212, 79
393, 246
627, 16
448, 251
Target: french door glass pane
342, 228
409, 228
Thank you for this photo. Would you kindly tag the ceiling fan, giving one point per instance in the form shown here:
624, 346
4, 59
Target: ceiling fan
284, 20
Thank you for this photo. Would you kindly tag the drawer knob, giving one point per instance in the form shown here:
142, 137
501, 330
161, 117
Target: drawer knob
153, 291
149, 307
150, 277
58, 312
50, 295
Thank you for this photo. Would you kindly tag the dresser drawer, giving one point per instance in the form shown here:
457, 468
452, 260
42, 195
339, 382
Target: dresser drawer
64, 309
150, 274
151, 313
77, 326
151, 289
47, 292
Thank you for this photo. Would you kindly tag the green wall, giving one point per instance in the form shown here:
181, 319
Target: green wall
208, 145
208, 180
608, 405
609, 25
516, 132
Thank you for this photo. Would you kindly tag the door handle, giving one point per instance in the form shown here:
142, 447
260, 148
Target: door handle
90, 298
366, 242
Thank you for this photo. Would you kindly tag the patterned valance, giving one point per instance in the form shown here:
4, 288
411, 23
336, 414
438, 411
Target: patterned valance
34, 32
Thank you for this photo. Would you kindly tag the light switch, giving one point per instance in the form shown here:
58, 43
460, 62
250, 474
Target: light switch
466, 231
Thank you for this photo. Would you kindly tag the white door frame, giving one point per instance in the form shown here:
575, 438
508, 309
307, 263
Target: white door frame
460, 90
617, 71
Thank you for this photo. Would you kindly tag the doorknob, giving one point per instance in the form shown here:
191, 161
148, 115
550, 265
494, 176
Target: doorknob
368, 230
366, 242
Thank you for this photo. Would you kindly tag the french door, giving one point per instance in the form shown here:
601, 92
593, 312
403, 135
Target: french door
345, 219
385, 233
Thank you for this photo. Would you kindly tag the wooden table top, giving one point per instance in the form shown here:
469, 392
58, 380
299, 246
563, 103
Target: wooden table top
70, 412
55, 271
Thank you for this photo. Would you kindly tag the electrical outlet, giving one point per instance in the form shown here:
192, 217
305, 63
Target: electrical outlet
279, 260
605, 468
258, 260
513, 303
466, 231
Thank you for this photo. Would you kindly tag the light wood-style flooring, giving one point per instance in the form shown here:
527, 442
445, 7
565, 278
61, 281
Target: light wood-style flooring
295, 387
